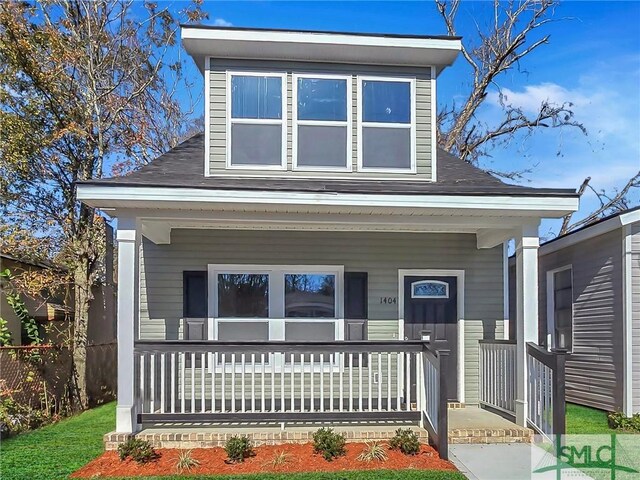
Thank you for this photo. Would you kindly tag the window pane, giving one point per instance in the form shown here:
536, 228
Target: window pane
256, 97
243, 295
309, 296
321, 146
563, 298
562, 279
322, 99
386, 102
256, 144
429, 289
386, 147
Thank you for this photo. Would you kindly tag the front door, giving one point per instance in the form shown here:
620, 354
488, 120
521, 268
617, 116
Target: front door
431, 314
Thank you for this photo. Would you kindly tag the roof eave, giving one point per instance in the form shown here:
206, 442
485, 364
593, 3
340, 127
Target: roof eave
305, 46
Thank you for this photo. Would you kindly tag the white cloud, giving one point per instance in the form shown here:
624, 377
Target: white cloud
221, 22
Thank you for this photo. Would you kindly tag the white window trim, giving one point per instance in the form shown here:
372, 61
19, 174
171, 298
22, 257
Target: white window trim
551, 307
276, 318
348, 123
264, 121
446, 285
412, 125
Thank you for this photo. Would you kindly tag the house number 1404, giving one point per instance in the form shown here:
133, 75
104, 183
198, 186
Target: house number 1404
388, 300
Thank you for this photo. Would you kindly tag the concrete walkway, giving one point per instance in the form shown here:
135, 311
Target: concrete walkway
510, 461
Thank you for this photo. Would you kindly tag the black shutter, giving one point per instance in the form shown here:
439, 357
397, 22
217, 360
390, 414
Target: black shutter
356, 305
194, 294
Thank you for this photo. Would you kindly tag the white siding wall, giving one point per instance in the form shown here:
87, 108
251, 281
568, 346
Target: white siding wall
379, 254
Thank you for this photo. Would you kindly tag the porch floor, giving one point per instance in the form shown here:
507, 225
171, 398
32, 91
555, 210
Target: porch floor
478, 425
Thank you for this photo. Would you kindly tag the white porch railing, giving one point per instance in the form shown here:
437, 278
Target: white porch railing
545, 383
288, 381
498, 375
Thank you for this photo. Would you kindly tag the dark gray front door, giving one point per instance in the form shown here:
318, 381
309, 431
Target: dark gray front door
431, 314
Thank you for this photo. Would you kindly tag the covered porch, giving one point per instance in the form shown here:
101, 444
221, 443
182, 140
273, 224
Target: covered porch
377, 366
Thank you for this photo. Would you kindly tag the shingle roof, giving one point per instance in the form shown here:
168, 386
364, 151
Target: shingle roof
182, 167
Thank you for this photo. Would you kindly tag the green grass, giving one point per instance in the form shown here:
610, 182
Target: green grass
55, 451
363, 475
585, 420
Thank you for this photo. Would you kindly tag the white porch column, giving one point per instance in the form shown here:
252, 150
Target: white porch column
527, 243
128, 245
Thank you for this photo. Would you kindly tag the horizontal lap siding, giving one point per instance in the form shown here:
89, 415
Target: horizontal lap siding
217, 101
379, 254
594, 370
635, 309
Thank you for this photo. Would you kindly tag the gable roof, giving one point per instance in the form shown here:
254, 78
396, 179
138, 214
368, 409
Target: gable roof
182, 167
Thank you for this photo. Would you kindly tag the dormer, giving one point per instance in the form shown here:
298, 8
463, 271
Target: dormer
319, 104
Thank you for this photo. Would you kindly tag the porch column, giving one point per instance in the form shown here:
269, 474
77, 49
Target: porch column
128, 245
527, 243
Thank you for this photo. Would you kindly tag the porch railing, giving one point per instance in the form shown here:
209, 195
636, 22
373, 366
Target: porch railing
546, 390
199, 381
498, 375
545, 382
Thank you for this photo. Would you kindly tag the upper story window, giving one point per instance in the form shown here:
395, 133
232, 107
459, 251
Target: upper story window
386, 124
256, 120
322, 122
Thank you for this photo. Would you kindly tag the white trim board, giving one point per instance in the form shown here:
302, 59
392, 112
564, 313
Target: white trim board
627, 318
459, 274
100, 196
590, 232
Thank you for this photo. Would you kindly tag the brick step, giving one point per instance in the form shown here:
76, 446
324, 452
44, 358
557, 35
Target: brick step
491, 435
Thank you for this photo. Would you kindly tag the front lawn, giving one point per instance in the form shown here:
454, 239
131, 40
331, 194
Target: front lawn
55, 451
368, 475
586, 420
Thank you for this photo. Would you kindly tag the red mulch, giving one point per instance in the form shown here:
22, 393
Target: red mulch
300, 459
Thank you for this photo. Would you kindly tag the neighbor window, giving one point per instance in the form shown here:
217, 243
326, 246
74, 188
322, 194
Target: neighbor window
561, 308
256, 121
386, 124
322, 122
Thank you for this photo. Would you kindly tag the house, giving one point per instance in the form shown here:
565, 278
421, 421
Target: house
313, 255
54, 316
589, 303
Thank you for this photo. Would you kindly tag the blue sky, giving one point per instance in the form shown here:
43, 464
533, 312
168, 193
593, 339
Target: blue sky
593, 60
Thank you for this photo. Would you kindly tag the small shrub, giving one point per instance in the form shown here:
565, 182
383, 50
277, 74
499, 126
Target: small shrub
139, 450
373, 451
186, 461
329, 443
279, 459
620, 421
238, 448
406, 441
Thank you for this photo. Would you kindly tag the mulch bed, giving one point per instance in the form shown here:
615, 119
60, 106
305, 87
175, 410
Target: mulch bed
300, 459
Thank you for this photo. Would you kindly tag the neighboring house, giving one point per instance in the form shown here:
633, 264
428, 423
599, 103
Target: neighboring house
53, 313
590, 304
316, 210
55, 316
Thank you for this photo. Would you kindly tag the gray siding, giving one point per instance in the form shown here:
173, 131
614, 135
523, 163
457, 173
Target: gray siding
595, 368
635, 315
217, 101
379, 254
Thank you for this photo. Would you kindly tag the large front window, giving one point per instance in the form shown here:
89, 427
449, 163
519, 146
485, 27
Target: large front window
322, 123
386, 125
257, 121
262, 303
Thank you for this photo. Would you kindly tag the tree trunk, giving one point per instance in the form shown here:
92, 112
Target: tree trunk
83, 299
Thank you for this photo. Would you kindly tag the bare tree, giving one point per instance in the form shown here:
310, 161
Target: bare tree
610, 203
503, 45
